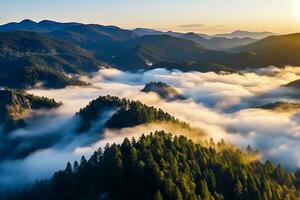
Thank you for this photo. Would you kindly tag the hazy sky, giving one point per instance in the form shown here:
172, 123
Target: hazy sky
207, 16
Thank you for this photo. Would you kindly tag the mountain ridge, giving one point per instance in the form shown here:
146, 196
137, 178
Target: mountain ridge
243, 34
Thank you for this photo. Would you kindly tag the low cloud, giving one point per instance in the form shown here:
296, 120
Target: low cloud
223, 106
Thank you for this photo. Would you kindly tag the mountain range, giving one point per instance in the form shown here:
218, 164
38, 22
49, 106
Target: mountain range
245, 34
52, 53
235, 34
214, 42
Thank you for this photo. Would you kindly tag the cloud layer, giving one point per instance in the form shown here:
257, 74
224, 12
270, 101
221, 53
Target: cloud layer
224, 106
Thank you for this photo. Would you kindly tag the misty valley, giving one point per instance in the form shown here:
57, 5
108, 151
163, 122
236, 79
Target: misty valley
100, 112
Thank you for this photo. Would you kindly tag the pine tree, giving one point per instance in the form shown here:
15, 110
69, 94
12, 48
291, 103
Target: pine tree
68, 169
205, 194
178, 194
238, 189
158, 196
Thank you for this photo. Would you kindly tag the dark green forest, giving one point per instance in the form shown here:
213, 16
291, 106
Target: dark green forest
160, 166
127, 113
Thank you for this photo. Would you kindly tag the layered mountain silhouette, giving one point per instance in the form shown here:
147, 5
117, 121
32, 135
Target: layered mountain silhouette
48, 52
245, 34
218, 43
209, 42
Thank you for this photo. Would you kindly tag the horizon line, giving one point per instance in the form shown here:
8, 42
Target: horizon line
165, 30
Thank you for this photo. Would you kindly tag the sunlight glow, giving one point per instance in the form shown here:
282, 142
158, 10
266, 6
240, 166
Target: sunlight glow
296, 11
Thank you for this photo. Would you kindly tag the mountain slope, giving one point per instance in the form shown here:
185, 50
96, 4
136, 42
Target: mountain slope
218, 43
145, 51
159, 166
274, 50
187, 66
27, 58
92, 36
15, 105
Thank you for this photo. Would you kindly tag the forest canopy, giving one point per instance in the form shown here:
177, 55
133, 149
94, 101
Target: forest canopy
162, 166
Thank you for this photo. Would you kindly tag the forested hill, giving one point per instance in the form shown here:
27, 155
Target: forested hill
158, 167
126, 113
14, 105
29, 58
163, 90
281, 50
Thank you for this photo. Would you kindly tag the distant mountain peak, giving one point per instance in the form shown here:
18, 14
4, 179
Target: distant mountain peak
28, 21
245, 34
46, 21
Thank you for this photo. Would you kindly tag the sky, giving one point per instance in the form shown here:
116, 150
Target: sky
201, 16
